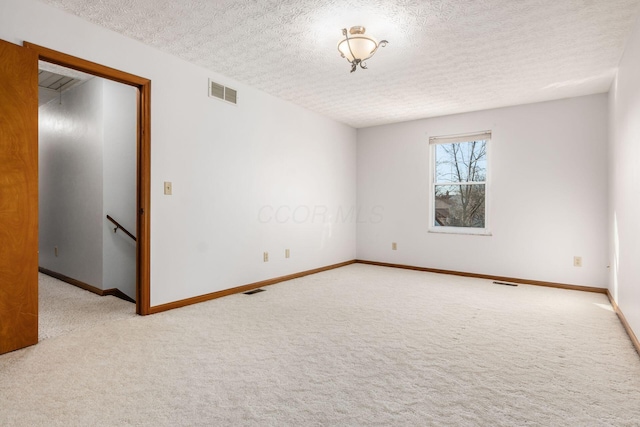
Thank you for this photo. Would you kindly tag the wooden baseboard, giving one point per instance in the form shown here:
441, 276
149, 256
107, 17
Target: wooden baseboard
625, 324
243, 288
102, 292
490, 277
248, 287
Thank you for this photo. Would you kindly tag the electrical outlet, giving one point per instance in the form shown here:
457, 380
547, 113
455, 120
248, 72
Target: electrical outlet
265, 256
168, 188
394, 246
287, 254
577, 261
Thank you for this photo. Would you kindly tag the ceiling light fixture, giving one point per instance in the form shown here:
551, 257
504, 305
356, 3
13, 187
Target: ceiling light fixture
357, 48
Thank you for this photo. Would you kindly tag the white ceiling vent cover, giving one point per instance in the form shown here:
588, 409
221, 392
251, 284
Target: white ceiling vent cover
216, 90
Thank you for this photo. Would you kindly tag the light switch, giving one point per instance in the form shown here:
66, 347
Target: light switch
167, 188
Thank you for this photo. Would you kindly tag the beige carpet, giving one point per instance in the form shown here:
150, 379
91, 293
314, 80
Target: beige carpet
360, 345
63, 308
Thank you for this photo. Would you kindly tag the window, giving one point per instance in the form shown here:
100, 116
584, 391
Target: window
459, 183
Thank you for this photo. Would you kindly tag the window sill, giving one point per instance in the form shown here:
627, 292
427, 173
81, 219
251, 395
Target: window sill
460, 230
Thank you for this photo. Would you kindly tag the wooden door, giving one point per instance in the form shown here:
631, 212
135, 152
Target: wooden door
18, 197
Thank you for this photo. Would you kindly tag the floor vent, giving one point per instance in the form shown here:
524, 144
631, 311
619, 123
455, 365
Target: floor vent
504, 283
253, 291
216, 90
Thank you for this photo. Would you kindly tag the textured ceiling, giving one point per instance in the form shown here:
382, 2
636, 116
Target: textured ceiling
443, 57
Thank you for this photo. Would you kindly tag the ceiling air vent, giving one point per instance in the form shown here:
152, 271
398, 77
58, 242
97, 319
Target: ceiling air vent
216, 90
51, 85
53, 81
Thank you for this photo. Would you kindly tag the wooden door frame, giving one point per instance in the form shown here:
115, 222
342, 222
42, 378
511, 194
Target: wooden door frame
143, 174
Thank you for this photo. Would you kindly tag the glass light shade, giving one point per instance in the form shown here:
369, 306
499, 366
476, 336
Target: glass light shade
357, 48
361, 46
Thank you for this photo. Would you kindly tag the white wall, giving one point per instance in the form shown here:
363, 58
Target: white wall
70, 184
547, 202
624, 183
119, 185
226, 163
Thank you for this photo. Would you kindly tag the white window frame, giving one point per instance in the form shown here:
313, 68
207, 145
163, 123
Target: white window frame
451, 139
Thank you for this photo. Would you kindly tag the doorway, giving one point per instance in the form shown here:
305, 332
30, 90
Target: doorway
19, 186
143, 86
86, 180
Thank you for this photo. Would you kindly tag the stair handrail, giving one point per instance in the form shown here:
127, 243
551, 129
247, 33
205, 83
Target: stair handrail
117, 225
